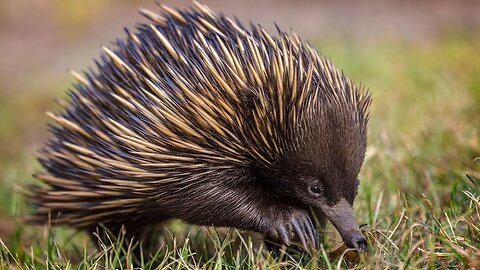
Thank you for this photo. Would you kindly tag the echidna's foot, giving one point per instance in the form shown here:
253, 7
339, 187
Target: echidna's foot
295, 223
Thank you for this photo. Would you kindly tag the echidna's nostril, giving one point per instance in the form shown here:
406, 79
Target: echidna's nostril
359, 242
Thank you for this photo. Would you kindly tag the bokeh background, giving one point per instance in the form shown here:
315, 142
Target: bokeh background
420, 59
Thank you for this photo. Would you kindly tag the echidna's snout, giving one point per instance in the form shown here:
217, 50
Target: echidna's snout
341, 216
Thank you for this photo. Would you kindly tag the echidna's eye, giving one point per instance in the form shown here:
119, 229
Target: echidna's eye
316, 189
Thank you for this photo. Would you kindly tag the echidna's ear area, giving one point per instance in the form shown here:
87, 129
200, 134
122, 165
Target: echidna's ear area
187, 95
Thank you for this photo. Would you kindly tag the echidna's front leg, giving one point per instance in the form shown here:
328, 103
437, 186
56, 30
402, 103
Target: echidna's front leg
251, 208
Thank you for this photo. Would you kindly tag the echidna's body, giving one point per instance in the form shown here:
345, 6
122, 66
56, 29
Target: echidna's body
199, 118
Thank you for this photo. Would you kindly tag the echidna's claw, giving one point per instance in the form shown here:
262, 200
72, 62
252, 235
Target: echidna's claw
283, 232
300, 231
312, 232
305, 230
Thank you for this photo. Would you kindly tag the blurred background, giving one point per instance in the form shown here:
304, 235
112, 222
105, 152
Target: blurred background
420, 59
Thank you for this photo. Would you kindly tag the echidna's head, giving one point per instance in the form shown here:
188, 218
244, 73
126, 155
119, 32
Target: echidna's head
325, 150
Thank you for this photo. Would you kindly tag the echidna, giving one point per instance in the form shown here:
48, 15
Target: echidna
196, 117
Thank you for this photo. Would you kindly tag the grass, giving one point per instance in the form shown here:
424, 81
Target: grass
419, 199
